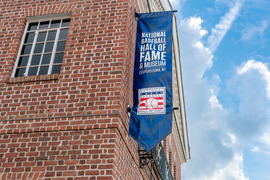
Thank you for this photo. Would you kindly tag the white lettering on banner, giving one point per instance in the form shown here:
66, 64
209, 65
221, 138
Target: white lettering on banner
154, 34
153, 52
154, 64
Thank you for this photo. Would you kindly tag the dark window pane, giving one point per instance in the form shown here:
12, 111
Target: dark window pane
23, 61
39, 48
32, 71
26, 49
35, 60
32, 26
43, 70
55, 23
58, 58
56, 69
51, 35
63, 34
29, 38
49, 47
41, 36
20, 72
44, 24
46, 59
65, 22
61, 46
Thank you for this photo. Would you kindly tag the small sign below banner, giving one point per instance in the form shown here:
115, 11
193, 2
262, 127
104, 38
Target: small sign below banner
152, 101
151, 116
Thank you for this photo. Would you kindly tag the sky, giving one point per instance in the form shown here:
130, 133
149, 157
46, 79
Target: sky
225, 55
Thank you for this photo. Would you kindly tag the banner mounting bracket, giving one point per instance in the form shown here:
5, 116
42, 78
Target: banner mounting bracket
136, 14
175, 108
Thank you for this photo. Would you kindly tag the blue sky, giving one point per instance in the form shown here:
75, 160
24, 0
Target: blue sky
224, 46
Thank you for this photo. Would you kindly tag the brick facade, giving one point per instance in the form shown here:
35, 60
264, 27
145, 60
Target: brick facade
71, 125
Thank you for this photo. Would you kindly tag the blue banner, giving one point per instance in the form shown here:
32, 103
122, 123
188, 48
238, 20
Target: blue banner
151, 116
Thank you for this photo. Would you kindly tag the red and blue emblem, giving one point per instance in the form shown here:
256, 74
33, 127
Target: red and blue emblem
152, 101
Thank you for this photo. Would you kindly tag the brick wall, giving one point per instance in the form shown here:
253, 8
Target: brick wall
96, 66
173, 158
72, 125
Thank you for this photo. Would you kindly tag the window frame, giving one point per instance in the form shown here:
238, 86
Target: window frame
54, 51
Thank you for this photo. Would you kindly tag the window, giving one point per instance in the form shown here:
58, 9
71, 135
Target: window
43, 46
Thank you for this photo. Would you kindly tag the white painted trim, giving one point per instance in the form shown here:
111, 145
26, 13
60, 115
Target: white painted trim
180, 89
166, 5
31, 53
54, 49
19, 52
153, 6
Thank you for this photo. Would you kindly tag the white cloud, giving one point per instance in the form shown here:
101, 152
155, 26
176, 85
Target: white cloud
224, 25
261, 68
230, 140
255, 149
232, 137
219, 136
248, 93
253, 31
214, 151
201, 56
195, 24
233, 171
263, 143
205, 115
265, 138
214, 102
220, 133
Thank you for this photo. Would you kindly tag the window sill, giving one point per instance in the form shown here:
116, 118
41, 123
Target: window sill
46, 77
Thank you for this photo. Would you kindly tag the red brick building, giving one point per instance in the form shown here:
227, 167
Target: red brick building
66, 69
